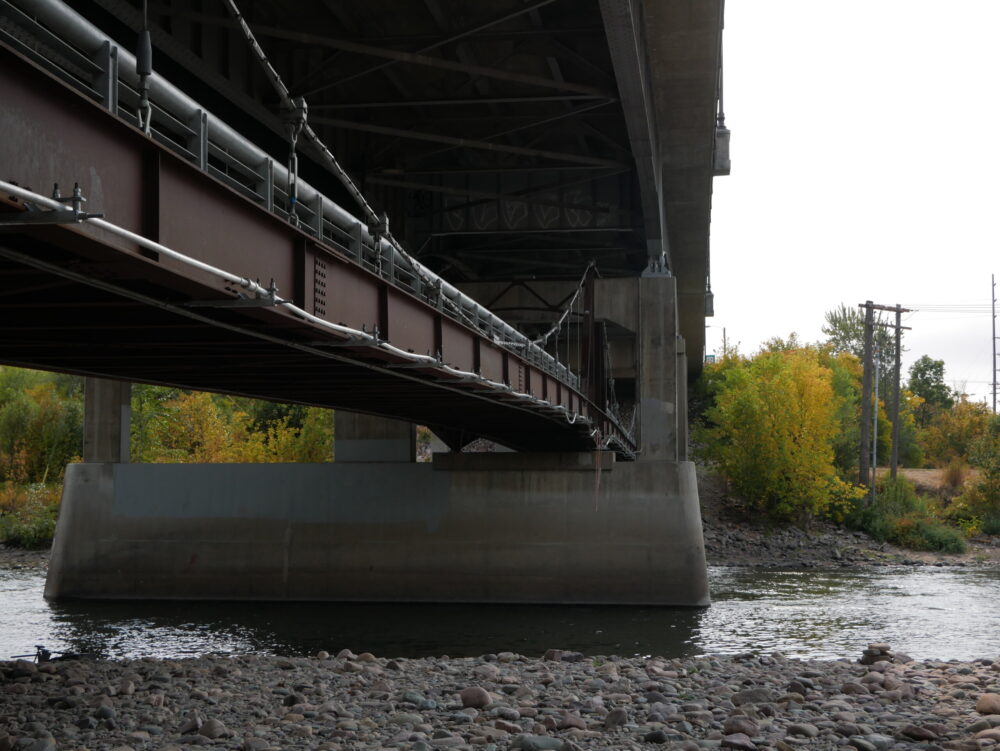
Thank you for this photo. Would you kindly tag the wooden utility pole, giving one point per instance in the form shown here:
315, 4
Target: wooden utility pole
894, 460
993, 297
866, 470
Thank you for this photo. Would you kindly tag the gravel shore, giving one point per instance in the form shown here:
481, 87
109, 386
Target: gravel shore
504, 701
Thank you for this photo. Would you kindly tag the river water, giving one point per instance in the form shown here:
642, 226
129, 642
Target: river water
928, 612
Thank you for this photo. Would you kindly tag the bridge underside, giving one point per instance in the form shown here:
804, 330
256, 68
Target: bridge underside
78, 299
515, 145
509, 139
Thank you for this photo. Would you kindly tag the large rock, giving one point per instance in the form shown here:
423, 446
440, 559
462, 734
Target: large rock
988, 704
616, 718
655, 736
918, 733
803, 729
854, 688
739, 741
861, 744
474, 696
740, 724
213, 728
569, 720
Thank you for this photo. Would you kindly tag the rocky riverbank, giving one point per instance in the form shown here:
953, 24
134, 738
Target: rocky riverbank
734, 541
18, 559
504, 701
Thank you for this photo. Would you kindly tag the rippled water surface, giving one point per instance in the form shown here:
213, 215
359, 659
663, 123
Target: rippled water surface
927, 612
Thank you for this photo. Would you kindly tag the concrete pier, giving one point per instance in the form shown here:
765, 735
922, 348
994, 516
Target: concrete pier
575, 528
107, 420
365, 438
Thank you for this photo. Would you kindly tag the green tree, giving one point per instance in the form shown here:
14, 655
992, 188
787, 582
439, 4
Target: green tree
778, 344
927, 383
171, 425
911, 452
845, 369
845, 332
953, 432
981, 499
41, 424
150, 404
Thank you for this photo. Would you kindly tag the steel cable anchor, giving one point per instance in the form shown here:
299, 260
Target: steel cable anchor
73, 215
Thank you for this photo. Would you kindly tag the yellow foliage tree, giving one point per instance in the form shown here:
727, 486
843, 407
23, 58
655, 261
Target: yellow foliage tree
774, 423
198, 427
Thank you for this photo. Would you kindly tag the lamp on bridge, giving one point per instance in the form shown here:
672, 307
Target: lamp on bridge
721, 163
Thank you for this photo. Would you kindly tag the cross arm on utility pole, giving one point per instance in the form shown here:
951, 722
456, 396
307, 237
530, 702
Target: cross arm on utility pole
888, 308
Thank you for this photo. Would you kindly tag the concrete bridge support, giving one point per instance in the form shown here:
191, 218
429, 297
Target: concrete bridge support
366, 438
107, 420
501, 527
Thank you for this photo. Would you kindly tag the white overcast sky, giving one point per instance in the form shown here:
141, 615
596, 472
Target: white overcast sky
865, 166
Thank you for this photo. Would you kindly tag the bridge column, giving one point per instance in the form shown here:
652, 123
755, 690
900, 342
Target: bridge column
365, 438
660, 382
107, 420
682, 403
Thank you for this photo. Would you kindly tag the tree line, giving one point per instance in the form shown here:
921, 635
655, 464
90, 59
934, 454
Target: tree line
783, 427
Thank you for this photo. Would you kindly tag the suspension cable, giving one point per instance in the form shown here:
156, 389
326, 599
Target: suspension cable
144, 69
378, 225
554, 329
289, 105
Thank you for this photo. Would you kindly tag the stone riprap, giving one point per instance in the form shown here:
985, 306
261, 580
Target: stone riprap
561, 700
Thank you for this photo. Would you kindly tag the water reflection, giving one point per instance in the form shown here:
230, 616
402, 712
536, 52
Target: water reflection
801, 613
133, 629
